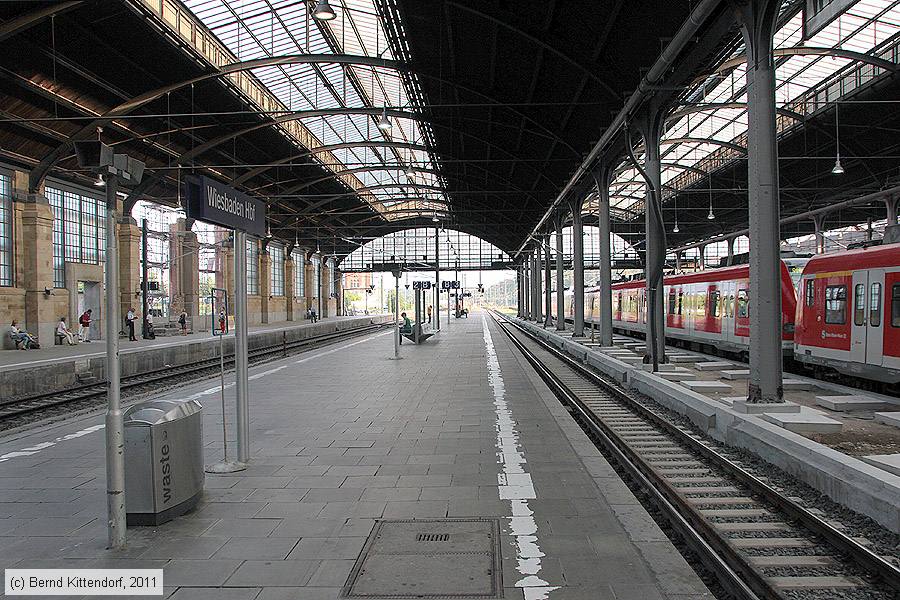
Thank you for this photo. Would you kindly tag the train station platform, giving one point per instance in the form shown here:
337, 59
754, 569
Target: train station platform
52, 368
459, 436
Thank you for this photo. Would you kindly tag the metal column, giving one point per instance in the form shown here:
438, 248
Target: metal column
520, 290
759, 18
548, 299
577, 267
560, 277
115, 428
437, 281
819, 225
890, 204
730, 255
241, 376
397, 314
601, 176
536, 283
145, 284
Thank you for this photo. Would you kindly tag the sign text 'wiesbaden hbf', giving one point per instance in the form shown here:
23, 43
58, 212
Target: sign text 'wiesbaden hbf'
214, 202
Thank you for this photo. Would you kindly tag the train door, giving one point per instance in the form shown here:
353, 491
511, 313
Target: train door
875, 322
859, 322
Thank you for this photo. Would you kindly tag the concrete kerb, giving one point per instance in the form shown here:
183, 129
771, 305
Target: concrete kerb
849, 481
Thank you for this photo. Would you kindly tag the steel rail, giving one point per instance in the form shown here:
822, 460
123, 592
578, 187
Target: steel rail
844, 544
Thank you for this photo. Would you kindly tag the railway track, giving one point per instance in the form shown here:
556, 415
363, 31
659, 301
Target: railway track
758, 543
19, 407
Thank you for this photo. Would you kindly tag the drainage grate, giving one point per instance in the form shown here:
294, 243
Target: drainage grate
433, 537
452, 559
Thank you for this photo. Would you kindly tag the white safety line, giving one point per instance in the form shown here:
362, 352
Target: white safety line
515, 484
32, 450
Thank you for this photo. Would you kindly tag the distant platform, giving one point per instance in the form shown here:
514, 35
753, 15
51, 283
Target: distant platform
459, 438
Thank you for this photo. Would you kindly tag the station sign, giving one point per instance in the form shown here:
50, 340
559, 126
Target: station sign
213, 202
421, 285
449, 285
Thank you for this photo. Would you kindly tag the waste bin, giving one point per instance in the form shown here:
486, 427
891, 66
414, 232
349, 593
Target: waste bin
163, 460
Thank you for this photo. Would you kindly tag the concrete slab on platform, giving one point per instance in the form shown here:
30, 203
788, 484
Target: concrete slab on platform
683, 358
797, 385
808, 420
848, 403
888, 462
735, 374
888, 418
707, 386
714, 365
677, 375
741, 405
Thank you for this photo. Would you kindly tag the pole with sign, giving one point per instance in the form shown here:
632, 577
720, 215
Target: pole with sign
213, 202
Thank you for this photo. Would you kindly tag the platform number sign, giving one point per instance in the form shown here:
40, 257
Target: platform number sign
450, 285
421, 285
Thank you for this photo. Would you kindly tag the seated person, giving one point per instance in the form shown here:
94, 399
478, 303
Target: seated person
19, 336
406, 327
63, 332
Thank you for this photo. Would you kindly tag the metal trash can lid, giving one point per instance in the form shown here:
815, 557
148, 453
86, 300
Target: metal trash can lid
153, 412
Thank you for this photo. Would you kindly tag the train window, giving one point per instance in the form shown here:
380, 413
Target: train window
714, 303
743, 304
895, 305
810, 287
699, 304
672, 302
875, 305
859, 304
836, 304
680, 303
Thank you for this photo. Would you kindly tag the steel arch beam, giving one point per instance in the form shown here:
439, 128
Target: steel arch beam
19, 24
693, 140
38, 174
811, 51
295, 116
309, 184
690, 110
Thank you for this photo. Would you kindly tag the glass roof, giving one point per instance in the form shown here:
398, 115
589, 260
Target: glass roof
699, 140
252, 29
416, 249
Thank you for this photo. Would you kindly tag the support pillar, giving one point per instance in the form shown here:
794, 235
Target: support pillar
536, 284
289, 291
36, 238
548, 284
265, 284
678, 261
577, 266
890, 204
758, 19
730, 251
819, 224
560, 276
651, 129
437, 281
701, 251
526, 287
601, 176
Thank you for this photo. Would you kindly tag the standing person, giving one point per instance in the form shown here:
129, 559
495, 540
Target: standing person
223, 321
129, 320
64, 332
182, 321
84, 326
313, 315
429, 314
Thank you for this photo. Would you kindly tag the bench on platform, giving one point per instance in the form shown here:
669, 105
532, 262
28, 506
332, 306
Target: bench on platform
410, 334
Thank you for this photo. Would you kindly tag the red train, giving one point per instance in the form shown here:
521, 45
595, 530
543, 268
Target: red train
847, 318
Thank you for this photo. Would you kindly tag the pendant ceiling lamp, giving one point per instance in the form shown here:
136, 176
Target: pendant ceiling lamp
323, 11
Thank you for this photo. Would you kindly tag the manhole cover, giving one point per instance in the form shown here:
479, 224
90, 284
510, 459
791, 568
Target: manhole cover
435, 558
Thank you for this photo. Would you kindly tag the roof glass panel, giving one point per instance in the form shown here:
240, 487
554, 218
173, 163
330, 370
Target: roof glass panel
253, 29
865, 27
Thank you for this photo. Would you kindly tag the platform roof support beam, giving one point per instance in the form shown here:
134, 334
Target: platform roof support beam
758, 21
602, 173
575, 205
519, 305
730, 250
526, 287
536, 283
560, 276
819, 225
548, 284
650, 124
891, 203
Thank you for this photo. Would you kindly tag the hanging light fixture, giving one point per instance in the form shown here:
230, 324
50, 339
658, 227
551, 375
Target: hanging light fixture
100, 182
434, 218
384, 123
410, 171
323, 11
675, 229
711, 214
838, 168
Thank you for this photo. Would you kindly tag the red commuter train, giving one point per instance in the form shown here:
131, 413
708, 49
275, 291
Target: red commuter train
847, 319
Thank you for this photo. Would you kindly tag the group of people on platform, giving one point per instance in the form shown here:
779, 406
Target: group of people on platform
24, 340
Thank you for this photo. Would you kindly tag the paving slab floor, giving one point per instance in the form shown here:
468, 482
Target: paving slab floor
342, 437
